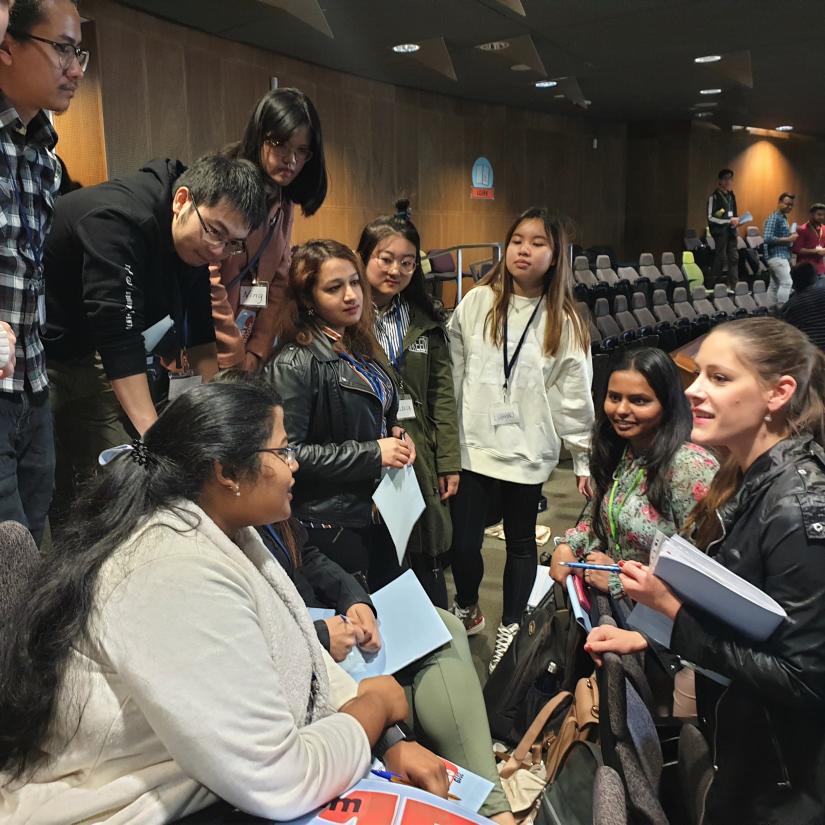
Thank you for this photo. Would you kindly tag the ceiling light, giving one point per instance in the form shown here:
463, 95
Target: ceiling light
707, 104
710, 91
784, 128
703, 114
406, 48
708, 58
546, 84
494, 46
519, 67
559, 97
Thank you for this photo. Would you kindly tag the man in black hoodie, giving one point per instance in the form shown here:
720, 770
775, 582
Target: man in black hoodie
127, 294
723, 220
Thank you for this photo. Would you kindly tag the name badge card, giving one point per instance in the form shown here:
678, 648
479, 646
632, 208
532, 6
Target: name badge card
504, 413
181, 383
405, 408
254, 295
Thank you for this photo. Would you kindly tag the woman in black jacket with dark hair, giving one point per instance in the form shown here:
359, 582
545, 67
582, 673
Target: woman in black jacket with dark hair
759, 395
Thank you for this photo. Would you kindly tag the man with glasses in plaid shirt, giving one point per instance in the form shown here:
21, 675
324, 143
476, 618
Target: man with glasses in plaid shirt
41, 66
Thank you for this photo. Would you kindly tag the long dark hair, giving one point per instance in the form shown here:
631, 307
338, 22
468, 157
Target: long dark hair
659, 370
388, 226
277, 115
558, 285
211, 423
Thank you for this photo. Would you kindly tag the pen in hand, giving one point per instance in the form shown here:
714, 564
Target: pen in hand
580, 565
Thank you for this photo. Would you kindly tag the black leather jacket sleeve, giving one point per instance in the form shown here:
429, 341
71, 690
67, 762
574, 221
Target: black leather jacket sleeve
348, 461
789, 667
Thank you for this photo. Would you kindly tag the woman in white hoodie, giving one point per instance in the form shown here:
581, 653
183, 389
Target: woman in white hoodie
522, 375
162, 658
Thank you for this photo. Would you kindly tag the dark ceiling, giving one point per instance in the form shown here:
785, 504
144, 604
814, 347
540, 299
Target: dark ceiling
633, 59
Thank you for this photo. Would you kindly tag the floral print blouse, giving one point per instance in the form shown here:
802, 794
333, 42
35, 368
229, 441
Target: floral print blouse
637, 520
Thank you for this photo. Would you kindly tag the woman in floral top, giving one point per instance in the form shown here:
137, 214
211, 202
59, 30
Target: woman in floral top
646, 475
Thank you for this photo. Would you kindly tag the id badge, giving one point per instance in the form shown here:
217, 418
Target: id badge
254, 295
405, 408
181, 383
504, 413
41, 309
730, 213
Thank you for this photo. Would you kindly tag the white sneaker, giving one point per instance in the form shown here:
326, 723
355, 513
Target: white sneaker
504, 637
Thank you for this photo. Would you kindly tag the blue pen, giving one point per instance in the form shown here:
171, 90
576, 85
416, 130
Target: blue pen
580, 565
386, 775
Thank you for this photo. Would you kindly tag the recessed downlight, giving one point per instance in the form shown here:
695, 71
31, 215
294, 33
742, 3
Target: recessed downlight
784, 128
519, 67
710, 91
406, 48
705, 104
708, 58
494, 46
703, 114
546, 84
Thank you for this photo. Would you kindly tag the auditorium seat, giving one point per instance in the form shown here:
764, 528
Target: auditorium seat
743, 299
604, 271
628, 273
691, 240
582, 272
670, 270
661, 308
754, 237
681, 305
694, 275
640, 311
623, 316
701, 303
722, 301
608, 328
740, 242
648, 268
761, 295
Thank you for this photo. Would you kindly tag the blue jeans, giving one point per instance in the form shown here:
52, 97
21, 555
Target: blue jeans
26, 459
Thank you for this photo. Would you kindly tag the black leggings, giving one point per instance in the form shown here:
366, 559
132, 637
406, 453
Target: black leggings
477, 495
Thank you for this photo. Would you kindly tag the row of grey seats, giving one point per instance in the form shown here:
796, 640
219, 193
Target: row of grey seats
583, 274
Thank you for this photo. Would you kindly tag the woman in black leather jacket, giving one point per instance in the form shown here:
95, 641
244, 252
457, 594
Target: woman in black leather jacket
758, 395
339, 409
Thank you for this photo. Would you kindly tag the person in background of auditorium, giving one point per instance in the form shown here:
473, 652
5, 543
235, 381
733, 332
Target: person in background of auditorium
410, 331
283, 138
647, 476
759, 394
809, 246
805, 308
778, 241
41, 66
225, 692
722, 222
522, 373
340, 409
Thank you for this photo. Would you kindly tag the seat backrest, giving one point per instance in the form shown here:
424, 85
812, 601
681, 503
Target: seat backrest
761, 294
582, 272
605, 272
604, 320
740, 242
721, 300
18, 560
742, 297
753, 237
669, 268
441, 261
700, 301
647, 267
693, 273
584, 312
680, 304
640, 311
661, 308
628, 273
623, 317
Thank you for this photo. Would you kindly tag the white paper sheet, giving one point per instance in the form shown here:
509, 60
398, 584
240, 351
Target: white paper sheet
399, 500
541, 586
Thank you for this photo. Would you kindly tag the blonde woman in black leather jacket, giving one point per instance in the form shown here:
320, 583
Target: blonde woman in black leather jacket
758, 396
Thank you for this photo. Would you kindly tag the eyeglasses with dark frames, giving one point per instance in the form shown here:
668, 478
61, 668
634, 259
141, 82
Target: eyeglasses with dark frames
66, 51
214, 238
285, 152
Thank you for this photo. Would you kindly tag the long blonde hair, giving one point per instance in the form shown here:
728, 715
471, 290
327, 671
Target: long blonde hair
558, 288
769, 348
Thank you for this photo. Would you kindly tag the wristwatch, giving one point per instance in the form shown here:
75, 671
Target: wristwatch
399, 732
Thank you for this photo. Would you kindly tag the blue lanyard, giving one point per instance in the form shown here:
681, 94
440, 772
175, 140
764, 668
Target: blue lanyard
397, 357
367, 373
37, 251
273, 534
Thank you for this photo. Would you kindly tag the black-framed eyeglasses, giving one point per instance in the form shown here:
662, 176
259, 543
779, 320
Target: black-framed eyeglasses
285, 151
214, 238
286, 454
66, 51
386, 262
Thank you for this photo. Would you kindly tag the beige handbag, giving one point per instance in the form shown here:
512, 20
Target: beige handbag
536, 759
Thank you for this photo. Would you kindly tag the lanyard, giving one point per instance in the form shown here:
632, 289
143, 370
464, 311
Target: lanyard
613, 517
509, 364
253, 264
367, 373
37, 251
273, 534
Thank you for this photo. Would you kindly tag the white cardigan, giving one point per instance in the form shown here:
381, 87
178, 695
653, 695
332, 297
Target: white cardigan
196, 685
552, 393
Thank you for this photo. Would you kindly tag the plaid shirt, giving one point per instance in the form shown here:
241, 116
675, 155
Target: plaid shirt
776, 226
29, 172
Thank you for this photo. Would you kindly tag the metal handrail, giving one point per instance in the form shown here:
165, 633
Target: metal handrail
459, 250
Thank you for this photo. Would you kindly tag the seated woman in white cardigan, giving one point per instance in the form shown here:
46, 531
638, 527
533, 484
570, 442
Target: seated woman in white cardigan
162, 658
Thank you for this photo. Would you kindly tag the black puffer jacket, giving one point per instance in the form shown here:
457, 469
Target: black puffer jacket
767, 729
334, 420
